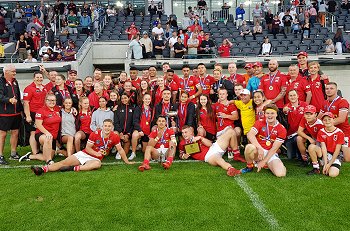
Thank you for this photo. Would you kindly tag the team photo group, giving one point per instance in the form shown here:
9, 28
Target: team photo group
163, 116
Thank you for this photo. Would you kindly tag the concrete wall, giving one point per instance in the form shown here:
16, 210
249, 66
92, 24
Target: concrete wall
109, 52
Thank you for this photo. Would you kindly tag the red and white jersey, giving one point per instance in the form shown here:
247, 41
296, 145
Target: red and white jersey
317, 98
49, 86
208, 125
228, 109
190, 85
295, 114
100, 143
206, 83
167, 135
173, 86
331, 139
51, 120
85, 121
311, 129
267, 135
301, 85
198, 156
35, 96
272, 86
136, 83
335, 106
237, 78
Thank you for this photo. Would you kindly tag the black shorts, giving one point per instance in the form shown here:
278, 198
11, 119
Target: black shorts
145, 138
30, 127
210, 136
8, 123
37, 136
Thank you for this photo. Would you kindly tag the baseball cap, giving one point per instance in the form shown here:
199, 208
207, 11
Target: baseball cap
302, 53
257, 64
329, 114
245, 92
248, 66
310, 109
46, 41
145, 32
72, 71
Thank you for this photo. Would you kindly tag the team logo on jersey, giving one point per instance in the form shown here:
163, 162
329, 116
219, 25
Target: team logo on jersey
335, 137
49, 115
97, 142
315, 129
263, 129
324, 136
296, 85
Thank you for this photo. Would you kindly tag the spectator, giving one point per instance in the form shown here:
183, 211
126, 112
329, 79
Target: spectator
158, 46
3, 12
5, 37
30, 59
193, 44
313, 15
266, 47
168, 31
186, 21
207, 46
85, 22
195, 26
332, 4
224, 49
322, 10
179, 48
132, 31
306, 29
18, 11
20, 27
269, 20
245, 29
265, 6
257, 14
21, 48
330, 49
36, 44
295, 26
239, 15
172, 42
152, 9
156, 22
287, 22
345, 5
30, 42
301, 16
130, 10
110, 11
28, 12
2, 24
198, 19
70, 51
257, 29
160, 9
72, 20
40, 13
135, 47
275, 26
72, 7
148, 45
2, 52
158, 30
338, 40
184, 37
202, 7
50, 15
43, 50
172, 21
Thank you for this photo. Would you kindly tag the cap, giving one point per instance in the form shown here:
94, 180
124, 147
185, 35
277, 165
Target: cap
329, 114
302, 53
248, 66
310, 109
46, 41
245, 92
72, 71
145, 32
257, 64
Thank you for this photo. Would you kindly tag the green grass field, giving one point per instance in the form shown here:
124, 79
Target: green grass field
189, 196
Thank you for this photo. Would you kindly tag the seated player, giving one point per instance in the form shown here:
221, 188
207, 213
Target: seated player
266, 137
162, 143
209, 152
331, 139
99, 145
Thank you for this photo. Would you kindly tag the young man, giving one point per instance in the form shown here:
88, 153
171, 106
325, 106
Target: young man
72, 76
164, 107
171, 84
162, 143
233, 76
97, 76
98, 146
209, 152
254, 81
316, 86
135, 80
266, 137
331, 139
190, 84
205, 80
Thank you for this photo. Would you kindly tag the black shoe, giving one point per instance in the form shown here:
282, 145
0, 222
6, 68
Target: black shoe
37, 170
15, 156
3, 161
314, 171
49, 162
304, 164
25, 157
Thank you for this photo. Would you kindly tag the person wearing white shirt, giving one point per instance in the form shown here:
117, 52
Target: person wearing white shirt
158, 30
172, 41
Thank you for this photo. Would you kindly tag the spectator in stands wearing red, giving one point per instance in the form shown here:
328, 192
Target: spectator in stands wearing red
195, 26
184, 37
224, 49
132, 31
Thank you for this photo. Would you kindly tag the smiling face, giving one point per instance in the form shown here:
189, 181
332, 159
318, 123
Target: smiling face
328, 121
78, 85
270, 115
184, 98
310, 117
67, 104
124, 99
127, 86
107, 127
203, 100
50, 101
187, 133
258, 98
38, 79
144, 85
161, 122
293, 96
85, 104
166, 95
147, 99
102, 102
331, 90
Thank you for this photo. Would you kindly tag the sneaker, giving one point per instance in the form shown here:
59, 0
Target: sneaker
314, 171
3, 161
117, 156
166, 165
49, 162
37, 170
320, 162
304, 164
144, 167
25, 157
231, 171
246, 170
132, 156
15, 156
230, 155
239, 159
139, 147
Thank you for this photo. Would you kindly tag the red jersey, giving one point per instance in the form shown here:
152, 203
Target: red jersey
295, 114
49, 86
133, 31
70, 83
167, 135
198, 156
317, 98
99, 143
51, 120
337, 105
35, 96
173, 86
272, 85
190, 85
225, 51
229, 109
208, 125
331, 139
237, 78
301, 85
136, 83
85, 121
206, 83
267, 135
93, 98
311, 129
158, 96
145, 120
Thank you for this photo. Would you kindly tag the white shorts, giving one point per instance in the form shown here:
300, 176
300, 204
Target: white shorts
222, 131
214, 150
274, 157
346, 142
338, 160
162, 150
83, 157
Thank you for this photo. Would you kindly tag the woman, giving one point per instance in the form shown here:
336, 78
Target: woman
136, 47
275, 25
338, 41
84, 121
186, 111
58, 48
206, 118
195, 26
157, 91
102, 113
21, 48
132, 95
259, 102
88, 84
160, 9
113, 100
132, 31
108, 83
306, 29
79, 89
123, 122
63, 91
269, 19
224, 49
266, 47
68, 126
143, 116
179, 48
123, 77
257, 29
96, 95
168, 31
144, 88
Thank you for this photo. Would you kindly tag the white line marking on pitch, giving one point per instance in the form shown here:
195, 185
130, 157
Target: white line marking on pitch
258, 204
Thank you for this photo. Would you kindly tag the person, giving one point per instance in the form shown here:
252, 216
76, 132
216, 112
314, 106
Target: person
190, 84
10, 112
206, 81
233, 77
160, 9
220, 82
207, 46
179, 48
21, 48
164, 108
330, 49
224, 49
70, 51
43, 50
322, 11
239, 15
298, 83
266, 137
338, 39
132, 31
158, 47
269, 20
72, 20
275, 26
98, 146
245, 29
97, 76
306, 29
287, 20
161, 145
79, 90
84, 121
147, 43
172, 41
186, 111
257, 14
29, 58
99, 115
63, 91
257, 29
193, 44
209, 152
331, 139
266, 47
152, 9
206, 118
85, 21
158, 30
254, 81
96, 95
135, 47
317, 85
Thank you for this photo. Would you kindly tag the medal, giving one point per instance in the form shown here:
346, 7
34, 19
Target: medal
271, 88
271, 80
147, 123
103, 152
268, 143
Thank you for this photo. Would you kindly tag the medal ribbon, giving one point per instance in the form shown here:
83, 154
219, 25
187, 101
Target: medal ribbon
162, 140
271, 80
203, 82
268, 133
105, 144
329, 107
186, 83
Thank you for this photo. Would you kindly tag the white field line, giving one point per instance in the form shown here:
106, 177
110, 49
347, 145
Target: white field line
258, 204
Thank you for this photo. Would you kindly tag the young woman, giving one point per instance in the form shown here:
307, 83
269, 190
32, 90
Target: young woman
186, 111
21, 48
157, 91
84, 121
63, 91
123, 121
266, 47
224, 49
79, 89
114, 100
144, 89
206, 118
130, 93
123, 77
108, 82
259, 102
100, 114
88, 84
96, 95
68, 126
143, 116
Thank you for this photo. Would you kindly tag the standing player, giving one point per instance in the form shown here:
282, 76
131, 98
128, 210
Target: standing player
171, 84
190, 84
205, 80
316, 86
98, 146
266, 137
164, 107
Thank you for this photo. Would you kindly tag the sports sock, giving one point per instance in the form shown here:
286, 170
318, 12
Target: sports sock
67, 168
76, 168
13, 153
251, 165
236, 152
146, 162
170, 159
45, 168
315, 165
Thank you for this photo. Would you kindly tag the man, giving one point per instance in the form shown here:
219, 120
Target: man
302, 63
257, 14
152, 72
158, 30
219, 83
190, 84
166, 67
233, 76
339, 107
209, 152
164, 107
20, 27
298, 83
162, 144
193, 44
207, 46
97, 76
51, 75
205, 80
72, 7
72, 76
317, 86
98, 146
135, 80
10, 111
85, 21
254, 81
266, 137
172, 41
43, 49
145, 74
249, 72
72, 20
171, 84
239, 15
148, 44
287, 21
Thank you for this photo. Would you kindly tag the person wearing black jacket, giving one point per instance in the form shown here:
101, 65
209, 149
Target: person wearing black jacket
220, 82
123, 122
186, 112
62, 91
132, 95
10, 111
164, 107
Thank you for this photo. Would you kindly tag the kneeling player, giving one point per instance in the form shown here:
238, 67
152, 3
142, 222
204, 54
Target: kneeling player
266, 137
99, 145
331, 139
209, 152
162, 142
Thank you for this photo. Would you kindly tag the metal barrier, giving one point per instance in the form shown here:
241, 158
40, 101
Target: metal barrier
80, 51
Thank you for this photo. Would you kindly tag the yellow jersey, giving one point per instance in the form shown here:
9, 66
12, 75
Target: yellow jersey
247, 114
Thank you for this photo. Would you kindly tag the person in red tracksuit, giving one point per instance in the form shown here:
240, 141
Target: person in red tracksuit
206, 118
84, 121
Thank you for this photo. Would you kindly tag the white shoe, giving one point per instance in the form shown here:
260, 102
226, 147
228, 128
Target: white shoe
230, 155
117, 156
132, 156
139, 147
25, 157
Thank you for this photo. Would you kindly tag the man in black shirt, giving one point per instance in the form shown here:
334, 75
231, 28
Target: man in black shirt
207, 46
331, 6
287, 21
